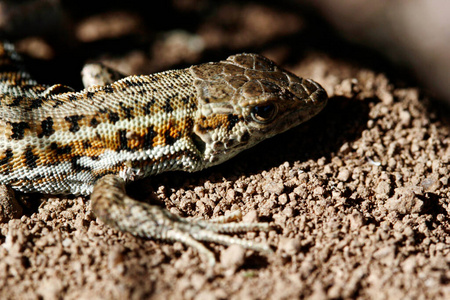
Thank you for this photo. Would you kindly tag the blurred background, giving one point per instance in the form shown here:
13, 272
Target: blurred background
415, 35
410, 38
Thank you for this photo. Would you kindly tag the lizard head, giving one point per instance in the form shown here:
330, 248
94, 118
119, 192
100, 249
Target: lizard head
246, 99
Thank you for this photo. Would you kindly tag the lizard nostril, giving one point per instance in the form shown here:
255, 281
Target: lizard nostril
299, 90
314, 90
308, 89
310, 85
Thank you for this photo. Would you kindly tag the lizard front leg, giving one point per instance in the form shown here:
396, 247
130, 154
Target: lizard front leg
113, 206
10, 208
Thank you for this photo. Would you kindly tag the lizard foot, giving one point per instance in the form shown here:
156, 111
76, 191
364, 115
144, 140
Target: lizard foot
113, 206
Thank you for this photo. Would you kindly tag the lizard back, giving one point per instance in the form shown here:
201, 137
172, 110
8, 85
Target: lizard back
54, 140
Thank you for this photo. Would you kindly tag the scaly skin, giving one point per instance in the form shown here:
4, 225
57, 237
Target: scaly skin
54, 140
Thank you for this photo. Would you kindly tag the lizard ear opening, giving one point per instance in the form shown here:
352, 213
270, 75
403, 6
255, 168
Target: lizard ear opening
264, 113
199, 143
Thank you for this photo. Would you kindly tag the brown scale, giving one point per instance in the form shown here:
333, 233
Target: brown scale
212, 122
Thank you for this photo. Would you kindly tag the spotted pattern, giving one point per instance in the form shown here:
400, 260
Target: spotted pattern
56, 140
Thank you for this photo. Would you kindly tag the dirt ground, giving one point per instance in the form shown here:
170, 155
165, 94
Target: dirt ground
359, 195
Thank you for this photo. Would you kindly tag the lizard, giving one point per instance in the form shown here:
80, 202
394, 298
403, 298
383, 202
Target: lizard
55, 140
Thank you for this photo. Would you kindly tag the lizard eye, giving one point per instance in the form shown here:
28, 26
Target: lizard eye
264, 113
